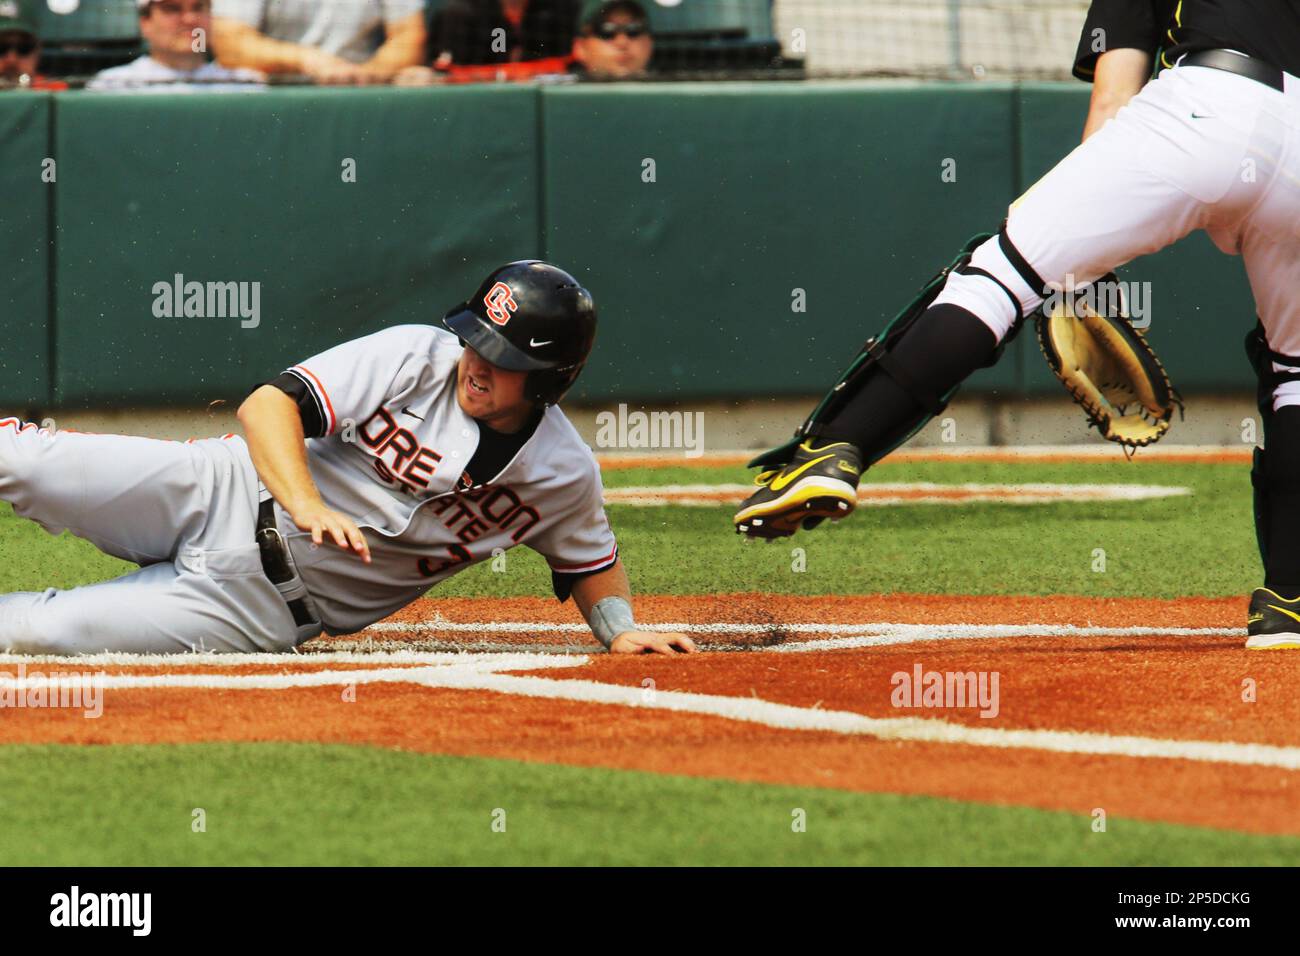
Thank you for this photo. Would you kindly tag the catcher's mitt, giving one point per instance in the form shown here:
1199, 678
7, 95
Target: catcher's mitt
1106, 365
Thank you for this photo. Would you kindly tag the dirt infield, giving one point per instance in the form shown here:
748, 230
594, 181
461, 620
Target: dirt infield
1139, 708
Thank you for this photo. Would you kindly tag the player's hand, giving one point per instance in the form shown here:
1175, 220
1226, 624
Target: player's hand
652, 642
343, 531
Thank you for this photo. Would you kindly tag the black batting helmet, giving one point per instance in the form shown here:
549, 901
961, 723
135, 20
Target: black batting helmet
530, 316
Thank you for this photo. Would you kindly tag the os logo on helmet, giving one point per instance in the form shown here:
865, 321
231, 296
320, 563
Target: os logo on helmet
500, 303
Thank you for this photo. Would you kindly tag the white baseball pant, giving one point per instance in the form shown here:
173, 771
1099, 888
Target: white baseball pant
1197, 148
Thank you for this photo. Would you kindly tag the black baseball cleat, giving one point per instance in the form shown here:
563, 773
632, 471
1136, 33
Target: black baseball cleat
817, 484
1273, 622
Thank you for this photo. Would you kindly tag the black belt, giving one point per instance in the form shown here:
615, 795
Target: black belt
275, 560
1246, 66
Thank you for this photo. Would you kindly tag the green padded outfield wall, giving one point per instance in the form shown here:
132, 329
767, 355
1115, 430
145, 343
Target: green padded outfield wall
250, 188
24, 251
761, 189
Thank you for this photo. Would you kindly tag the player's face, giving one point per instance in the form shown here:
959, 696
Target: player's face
490, 394
170, 25
18, 54
608, 51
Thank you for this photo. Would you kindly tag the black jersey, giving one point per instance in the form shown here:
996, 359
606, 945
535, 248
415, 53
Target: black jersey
1266, 29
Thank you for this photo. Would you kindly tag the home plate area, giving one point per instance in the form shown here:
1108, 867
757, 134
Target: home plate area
1061, 703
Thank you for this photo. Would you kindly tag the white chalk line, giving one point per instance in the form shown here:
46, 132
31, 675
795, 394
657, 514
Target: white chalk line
823, 644
911, 729
1097, 448
393, 654
890, 494
469, 664
480, 675
434, 652
586, 644
852, 635
846, 635
881, 627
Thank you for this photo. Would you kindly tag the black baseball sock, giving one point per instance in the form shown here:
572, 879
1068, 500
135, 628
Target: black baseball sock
1282, 472
941, 350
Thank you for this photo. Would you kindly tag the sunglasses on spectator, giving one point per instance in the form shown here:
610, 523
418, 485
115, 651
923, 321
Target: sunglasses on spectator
609, 30
24, 46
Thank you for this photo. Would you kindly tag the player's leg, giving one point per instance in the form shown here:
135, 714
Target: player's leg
1149, 177
1273, 619
1168, 163
1270, 245
220, 602
819, 478
134, 498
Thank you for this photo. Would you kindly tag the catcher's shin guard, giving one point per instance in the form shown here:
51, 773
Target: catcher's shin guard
1275, 479
814, 476
874, 359
1275, 470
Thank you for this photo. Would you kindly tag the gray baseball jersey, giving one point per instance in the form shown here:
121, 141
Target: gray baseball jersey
392, 456
393, 459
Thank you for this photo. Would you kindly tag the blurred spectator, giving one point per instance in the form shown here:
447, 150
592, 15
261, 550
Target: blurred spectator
20, 51
177, 32
331, 41
613, 40
477, 32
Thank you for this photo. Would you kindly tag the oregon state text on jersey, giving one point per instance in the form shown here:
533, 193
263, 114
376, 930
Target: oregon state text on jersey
399, 458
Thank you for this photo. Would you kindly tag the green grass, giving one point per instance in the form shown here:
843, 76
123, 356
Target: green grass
312, 804
1202, 544
306, 804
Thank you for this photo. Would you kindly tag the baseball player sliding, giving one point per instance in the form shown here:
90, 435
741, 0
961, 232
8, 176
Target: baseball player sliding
370, 473
1212, 143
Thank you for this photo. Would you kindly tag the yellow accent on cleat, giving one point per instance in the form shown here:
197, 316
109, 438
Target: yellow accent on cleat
782, 480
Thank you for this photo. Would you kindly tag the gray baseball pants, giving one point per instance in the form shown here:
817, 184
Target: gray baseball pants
184, 511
